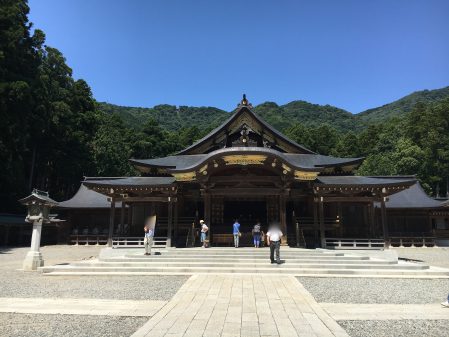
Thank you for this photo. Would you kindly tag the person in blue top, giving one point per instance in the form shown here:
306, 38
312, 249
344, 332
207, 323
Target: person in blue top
236, 233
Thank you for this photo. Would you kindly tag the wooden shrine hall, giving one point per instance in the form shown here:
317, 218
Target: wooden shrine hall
245, 170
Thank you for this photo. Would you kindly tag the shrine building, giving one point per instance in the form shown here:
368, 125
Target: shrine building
247, 170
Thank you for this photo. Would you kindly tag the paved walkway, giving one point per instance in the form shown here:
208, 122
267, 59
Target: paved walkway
85, 306
344, 311
241, 305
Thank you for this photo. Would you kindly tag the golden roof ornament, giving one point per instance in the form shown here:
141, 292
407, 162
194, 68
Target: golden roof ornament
244, 102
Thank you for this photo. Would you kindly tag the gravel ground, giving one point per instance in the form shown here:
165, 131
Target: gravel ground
377, 290
12, 258
34, 284
432, 256
102, 287
26, 325
396, 328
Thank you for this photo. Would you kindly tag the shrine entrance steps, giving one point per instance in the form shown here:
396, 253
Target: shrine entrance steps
296, 261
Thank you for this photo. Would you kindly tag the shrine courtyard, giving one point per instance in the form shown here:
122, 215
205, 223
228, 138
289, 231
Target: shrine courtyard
213, 304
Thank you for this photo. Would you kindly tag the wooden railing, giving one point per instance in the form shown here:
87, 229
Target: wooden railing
117, 241
158, 242
89, 239
337, 243
223, 239
404, 241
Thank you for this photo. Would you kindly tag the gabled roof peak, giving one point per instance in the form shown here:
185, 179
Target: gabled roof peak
244, 102
244, 115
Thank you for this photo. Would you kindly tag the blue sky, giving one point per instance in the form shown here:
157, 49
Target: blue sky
352, 54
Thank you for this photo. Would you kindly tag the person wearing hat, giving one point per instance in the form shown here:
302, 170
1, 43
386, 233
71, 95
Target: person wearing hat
204, 230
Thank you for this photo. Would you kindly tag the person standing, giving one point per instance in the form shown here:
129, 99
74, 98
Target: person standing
236, 233
148, 239
204, 230
274, 236
256, 234
262, 239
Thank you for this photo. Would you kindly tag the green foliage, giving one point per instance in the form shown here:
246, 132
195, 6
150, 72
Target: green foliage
169, 117
110, 148
53, 132
403, 106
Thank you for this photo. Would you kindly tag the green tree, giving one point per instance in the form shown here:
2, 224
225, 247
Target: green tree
19, 66
111, 150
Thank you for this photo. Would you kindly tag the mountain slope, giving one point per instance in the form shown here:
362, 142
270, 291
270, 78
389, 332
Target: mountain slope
168, 116
403, 105
280, 116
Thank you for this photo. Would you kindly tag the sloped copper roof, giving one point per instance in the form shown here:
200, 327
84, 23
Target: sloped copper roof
86, 198
130, 181
240, 110
412, 197
360, 180
300, 161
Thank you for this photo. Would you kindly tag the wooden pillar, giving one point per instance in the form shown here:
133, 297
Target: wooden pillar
315, 221
169, 222
322, 227
207, 212
295, 223
340, 219
122, 218
283, 219
383, 217
175, 223
111, 222
371, 212
130, 216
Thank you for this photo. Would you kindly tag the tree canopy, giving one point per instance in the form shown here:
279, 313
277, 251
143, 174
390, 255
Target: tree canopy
53, 132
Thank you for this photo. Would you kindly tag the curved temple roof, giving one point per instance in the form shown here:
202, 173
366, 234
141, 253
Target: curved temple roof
305, 162
130, 182
365, 181
87, 198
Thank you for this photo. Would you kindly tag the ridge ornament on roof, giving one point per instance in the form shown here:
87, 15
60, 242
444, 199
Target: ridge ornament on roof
244, 102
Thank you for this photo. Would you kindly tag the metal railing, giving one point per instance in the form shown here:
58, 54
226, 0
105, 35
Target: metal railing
337, 243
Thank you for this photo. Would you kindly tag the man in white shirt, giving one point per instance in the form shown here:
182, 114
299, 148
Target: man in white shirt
204, 230
274, 236
148, 239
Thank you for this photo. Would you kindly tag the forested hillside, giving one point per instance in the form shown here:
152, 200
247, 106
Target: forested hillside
53, 132
169, 117
280, 116
403, 106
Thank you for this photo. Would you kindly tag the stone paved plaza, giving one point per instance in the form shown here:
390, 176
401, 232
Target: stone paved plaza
33, 304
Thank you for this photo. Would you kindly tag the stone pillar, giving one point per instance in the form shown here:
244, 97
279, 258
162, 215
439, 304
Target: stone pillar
34, 259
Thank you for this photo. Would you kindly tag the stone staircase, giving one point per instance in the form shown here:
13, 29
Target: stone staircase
300, 262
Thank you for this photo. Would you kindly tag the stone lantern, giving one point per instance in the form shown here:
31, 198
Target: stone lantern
38, 204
